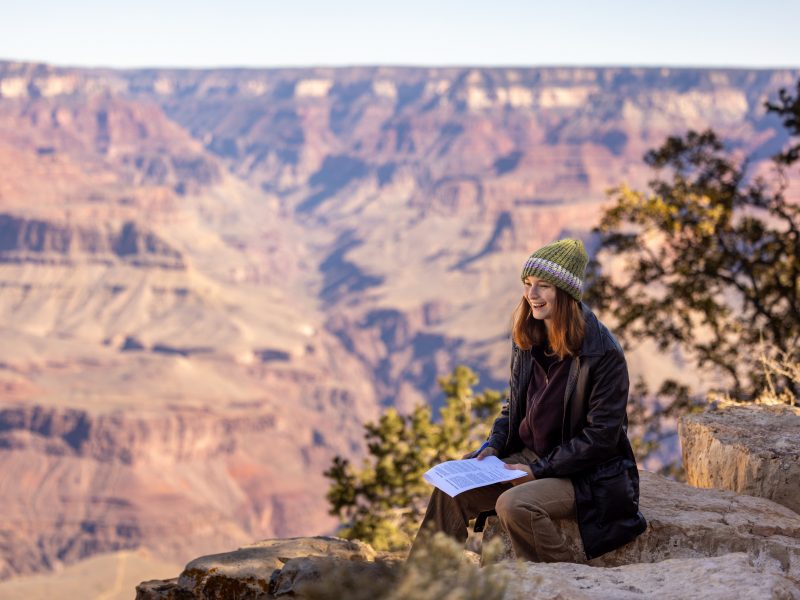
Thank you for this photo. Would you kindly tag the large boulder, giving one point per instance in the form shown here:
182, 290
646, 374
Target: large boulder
334, 568
731, 575
688, 522
752, 449
718, 542
249, 572
722, 577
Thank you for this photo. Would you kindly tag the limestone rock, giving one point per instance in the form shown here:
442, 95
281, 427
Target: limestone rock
753, 449
687, 522
166, 589
723, 577
320, 572
248, 571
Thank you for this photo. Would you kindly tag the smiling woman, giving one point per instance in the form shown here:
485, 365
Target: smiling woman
564, 424
541, 297
550, 310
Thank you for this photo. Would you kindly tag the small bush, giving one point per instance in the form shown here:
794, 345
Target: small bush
383, 502
439, 570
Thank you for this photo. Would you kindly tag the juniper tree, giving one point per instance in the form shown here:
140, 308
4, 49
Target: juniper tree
710, 255
788, 108
383, 501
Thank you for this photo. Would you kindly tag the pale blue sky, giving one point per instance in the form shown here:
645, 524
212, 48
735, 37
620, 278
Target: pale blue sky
412, 32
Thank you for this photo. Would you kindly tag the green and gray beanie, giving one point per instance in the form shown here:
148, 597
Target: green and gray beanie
562, 263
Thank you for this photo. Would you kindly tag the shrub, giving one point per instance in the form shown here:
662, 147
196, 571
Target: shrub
383, 502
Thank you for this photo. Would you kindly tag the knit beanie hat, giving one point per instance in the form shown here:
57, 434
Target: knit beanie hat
562, 263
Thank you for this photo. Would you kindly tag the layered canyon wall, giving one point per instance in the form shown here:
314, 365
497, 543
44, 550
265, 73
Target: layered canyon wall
210, 279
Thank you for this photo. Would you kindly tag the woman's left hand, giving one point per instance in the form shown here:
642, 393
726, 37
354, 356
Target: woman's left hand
520, 467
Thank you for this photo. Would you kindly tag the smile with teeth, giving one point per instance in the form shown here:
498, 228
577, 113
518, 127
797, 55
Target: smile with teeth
538, 304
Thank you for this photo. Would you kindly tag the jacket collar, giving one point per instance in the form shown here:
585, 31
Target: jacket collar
592, 337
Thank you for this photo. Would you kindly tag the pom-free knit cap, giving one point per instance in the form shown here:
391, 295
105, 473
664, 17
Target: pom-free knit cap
562, 263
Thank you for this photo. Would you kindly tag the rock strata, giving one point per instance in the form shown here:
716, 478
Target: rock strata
687, 522
752, 449
43, 241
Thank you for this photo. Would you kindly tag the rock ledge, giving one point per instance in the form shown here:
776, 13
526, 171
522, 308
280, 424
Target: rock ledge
753, 449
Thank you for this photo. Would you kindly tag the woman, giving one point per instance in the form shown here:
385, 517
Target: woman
564, 424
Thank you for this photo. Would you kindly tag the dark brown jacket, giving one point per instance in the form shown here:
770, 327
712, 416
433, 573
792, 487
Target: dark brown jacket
594, 452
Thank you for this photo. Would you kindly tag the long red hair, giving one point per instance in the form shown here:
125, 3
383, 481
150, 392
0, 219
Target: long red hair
565, 335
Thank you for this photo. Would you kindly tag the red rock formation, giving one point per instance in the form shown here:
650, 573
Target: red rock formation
210, 279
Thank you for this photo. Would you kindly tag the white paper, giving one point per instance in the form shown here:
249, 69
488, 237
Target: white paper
456, 476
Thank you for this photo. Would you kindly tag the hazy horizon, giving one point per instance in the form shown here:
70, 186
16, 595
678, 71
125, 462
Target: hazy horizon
234, 67
311, 33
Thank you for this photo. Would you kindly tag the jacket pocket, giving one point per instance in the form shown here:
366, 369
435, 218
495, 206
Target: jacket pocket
614, 488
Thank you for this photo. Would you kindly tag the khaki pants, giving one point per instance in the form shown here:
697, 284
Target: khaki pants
526, 511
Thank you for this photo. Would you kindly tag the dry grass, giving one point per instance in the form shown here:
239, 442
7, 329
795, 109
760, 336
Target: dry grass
440, 570
781, 374
784, 366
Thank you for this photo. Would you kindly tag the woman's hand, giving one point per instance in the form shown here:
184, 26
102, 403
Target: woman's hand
488, 451
520, 467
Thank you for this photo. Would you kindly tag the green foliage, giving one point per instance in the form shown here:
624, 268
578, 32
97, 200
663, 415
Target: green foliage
788, 108
383, 502
708, 260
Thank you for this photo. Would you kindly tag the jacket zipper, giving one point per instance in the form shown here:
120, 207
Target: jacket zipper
512, 400
572, 379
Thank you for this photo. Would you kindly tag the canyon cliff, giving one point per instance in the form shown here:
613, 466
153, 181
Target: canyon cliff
210, 279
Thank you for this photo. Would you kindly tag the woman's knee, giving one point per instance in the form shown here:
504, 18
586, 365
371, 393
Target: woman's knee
508, 504
517, 501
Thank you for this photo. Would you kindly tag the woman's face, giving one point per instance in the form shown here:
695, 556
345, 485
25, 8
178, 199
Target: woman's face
541, 297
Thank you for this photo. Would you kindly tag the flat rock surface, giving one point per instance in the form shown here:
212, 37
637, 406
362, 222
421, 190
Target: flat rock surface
688, 522
247, 572
752, 449
722, 577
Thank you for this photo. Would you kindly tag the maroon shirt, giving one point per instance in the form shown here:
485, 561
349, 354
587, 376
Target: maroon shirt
540, 430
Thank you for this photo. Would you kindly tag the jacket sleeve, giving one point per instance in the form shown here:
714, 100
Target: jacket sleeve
499, 434
597, 441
